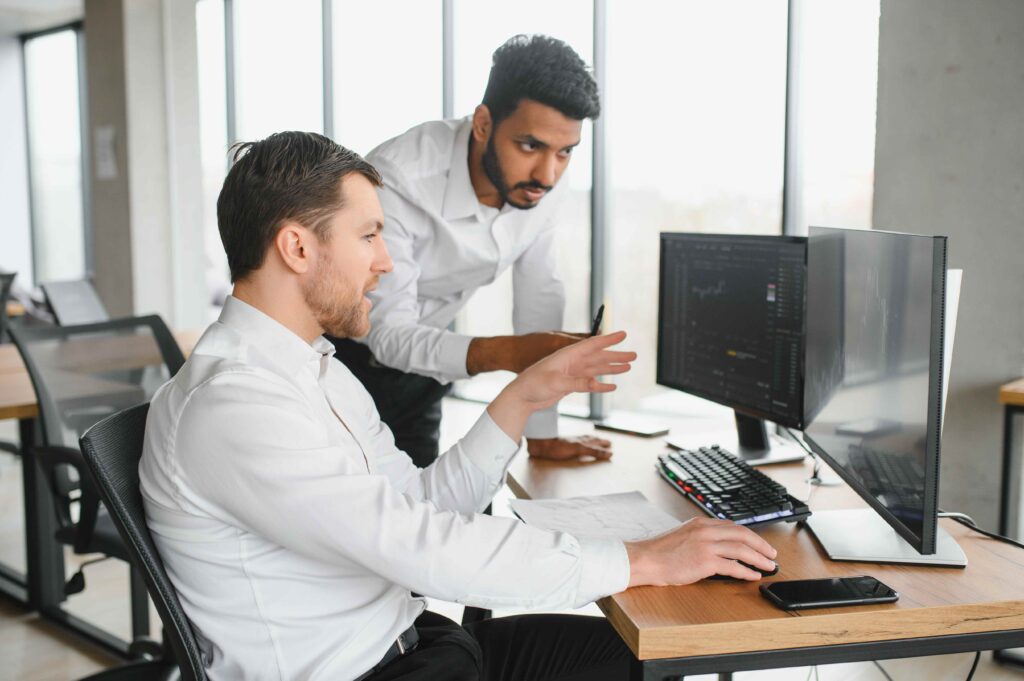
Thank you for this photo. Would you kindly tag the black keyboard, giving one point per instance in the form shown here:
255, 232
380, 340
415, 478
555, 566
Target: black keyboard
728, 488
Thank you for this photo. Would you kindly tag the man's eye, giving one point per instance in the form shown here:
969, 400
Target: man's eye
566, 153
370, 237
529, 146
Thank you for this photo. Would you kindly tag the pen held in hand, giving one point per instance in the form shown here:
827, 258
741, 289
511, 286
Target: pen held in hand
595, 328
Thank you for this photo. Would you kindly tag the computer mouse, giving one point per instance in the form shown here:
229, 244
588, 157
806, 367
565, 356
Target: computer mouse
748, 565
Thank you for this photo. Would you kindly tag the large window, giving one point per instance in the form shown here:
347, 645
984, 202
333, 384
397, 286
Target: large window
837, 81
54, 118
213, 136
278, 67
696, 129
479, 29
696, 110
384, 86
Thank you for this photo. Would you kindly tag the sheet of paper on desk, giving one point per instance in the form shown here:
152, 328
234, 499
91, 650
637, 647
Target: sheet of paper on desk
627, 516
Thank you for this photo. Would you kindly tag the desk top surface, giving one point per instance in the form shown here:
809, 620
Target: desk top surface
722, 617
1012, 393
18, 398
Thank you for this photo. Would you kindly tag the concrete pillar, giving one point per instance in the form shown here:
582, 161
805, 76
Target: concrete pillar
949, 160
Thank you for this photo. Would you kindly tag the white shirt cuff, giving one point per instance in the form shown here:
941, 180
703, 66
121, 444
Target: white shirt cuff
605, 569
451, 356
543, 424
488, 447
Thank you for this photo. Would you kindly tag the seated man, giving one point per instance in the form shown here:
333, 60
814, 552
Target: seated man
295, 531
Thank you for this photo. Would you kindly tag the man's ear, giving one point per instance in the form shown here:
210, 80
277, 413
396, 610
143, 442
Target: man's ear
293, 243
483, 124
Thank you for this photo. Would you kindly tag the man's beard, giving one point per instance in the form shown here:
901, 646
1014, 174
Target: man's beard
337, 312
492, 168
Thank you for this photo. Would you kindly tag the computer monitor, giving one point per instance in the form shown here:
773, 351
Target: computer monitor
731, 329
873, 389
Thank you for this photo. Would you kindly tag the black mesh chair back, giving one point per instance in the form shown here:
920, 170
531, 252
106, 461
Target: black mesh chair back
6, 281
81, 375
84, 373
112, 450
74, 302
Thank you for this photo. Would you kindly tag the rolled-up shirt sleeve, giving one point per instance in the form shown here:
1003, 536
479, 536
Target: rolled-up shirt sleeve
268, 466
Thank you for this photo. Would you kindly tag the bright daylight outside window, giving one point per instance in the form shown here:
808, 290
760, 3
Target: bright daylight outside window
55, 156
835, 115
213, 139
696, 129
479, 29
380, 91
278, 67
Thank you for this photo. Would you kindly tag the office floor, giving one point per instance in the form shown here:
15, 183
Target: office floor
32, 649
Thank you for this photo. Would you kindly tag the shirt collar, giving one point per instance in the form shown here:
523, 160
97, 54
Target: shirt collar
459, 198
272, 339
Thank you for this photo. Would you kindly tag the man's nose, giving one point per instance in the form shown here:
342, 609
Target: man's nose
546, 171
383, 261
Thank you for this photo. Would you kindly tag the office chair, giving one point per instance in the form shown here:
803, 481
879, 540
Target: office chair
74, 302
6, 281
81, 375
112, 449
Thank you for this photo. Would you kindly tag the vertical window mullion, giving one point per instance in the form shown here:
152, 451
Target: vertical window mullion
447, 59
328, 67
599, 184
229, 73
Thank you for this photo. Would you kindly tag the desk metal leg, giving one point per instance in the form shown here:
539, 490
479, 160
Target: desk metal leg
1008, 510
44, 557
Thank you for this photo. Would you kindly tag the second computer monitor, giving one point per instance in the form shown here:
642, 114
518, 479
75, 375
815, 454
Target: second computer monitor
731, 322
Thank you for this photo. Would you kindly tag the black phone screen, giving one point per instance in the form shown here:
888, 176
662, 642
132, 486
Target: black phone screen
809, 592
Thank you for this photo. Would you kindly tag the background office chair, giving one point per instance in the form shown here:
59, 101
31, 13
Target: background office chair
112, 449
6, 281
74, 302
82, 374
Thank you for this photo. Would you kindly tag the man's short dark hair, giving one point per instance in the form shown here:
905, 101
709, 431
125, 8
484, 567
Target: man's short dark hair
545, 70
287, 176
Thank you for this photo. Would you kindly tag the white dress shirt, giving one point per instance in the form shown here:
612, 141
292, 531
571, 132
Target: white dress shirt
445, 245
294, 530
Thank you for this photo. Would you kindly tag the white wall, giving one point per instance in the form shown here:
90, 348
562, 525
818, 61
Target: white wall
15, 229
949, 159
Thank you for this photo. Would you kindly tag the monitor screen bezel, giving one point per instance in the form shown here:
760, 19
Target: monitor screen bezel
924, 544
747, 410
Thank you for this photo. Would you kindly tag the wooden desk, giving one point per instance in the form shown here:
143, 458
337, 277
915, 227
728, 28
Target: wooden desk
721, 626
17, 397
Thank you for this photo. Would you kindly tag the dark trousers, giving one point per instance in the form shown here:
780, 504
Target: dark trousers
521, 648
409, 404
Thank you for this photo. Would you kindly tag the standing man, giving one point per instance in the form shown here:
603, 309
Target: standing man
464, 200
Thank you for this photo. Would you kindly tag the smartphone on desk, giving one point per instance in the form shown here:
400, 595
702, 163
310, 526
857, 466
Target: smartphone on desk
828, 593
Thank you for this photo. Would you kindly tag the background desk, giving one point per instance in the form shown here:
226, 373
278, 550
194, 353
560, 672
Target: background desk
716, 626
41, 586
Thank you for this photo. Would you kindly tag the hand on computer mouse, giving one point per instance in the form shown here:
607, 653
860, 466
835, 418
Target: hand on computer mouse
698, 548
764, 573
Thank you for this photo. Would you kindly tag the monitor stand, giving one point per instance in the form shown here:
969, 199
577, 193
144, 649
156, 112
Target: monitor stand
751, 442
861, 535
756, 446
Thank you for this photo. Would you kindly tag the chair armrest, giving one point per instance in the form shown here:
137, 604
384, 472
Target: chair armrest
51, 458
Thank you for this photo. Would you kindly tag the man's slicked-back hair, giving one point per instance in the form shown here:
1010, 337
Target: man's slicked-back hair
545, 70
287, 176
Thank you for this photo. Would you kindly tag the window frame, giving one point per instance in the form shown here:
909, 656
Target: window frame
77, 27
